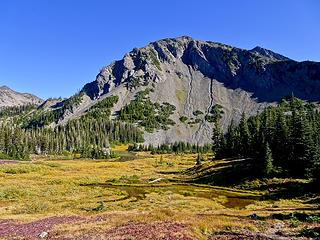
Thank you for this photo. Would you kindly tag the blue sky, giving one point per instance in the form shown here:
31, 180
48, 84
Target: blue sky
53, 47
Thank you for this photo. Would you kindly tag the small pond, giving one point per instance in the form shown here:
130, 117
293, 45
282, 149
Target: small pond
234, 199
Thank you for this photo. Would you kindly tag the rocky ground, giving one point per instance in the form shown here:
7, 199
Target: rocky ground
10, 98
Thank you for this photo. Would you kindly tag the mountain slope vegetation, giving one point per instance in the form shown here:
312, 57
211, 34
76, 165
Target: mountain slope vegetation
194, 76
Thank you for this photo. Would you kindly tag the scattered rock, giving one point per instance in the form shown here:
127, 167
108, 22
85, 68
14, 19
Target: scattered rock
253, 216
156, 180
43, 234
278, 226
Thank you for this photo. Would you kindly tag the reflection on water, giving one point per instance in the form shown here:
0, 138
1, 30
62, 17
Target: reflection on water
136, 193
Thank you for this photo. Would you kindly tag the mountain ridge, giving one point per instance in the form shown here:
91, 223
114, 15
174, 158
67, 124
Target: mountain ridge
194, 76
101, 80
11, 98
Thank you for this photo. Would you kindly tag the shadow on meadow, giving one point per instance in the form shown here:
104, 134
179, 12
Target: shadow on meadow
241, 173
222, 173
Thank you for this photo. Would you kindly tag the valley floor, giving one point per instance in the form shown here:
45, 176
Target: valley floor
144, 196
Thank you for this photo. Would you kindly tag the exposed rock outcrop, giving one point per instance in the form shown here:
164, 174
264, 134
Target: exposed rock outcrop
10, 98
195, 75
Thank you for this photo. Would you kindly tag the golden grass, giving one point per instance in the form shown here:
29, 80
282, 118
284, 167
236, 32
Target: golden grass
48, 187
45, 188
181, 95
120, 148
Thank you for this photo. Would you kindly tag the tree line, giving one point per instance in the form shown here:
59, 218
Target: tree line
176, 147
24, 131
283, 140
91, 138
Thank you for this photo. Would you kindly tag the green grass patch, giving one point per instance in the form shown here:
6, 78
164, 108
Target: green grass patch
180, 95
21, 168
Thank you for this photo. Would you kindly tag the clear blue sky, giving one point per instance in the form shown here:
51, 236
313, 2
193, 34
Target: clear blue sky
53, 47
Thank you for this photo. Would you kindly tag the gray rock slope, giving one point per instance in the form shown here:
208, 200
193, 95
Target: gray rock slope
194, 75
10, 98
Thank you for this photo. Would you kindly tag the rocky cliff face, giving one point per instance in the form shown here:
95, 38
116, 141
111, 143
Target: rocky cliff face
10, 98
195, 75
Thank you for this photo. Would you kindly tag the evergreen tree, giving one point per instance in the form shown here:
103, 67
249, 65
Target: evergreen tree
285, 138
268, 167
217, 139
199, 159
244, 137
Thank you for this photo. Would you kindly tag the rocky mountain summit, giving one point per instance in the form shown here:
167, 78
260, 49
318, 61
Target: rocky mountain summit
190, 77
10, 98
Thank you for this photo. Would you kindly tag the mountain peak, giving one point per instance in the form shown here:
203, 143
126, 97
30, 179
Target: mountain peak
4, 87
184, 37
179, 38
146, 64
268, 53
192, 76
10, 98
